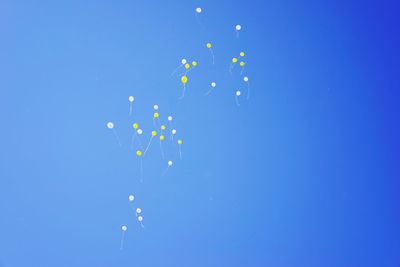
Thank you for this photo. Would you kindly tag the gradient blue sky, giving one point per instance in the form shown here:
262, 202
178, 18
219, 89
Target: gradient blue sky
305, 173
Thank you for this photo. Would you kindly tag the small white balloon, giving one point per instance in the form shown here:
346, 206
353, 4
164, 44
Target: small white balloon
238, 27
131, 198
138, 210
155, 107
198, 10
238, 93
169, 118
110, 125
246, 79
131, 99
170, 163
124, 228
213, 84
183, 61
140, 218
139, 131
173, 131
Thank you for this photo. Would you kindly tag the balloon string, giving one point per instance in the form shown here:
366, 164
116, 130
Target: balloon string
122, 241
116, 136
148, 145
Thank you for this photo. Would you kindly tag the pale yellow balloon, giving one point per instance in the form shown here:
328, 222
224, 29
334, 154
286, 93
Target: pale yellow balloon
184, 79
153, 133
162, 137
139, 153
180, 142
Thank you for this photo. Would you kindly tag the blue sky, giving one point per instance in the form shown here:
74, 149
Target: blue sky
304, 173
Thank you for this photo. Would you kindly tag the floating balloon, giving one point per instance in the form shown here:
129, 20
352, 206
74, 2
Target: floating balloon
237, 29
242, 65
237, 94
153, 134
198, 10
169, 165
233, 63
155, 107
131, 99
213, 85
180, 142
156, 116
110, 125
241, 54
209, 46
131, 198
170, 120
246, 80
140, 219
173, 132
194, 63
124, 228
184, 80
138, 211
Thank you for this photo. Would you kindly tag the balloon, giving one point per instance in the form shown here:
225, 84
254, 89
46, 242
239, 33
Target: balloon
131, 99
198, 10
156, 115
155, 107
135, 125
131, 198
170, 163
238, 27
153, 133
184, 79
124, 228
139, 153
183, 61
163, 127
139, 131
169, 118
110, 125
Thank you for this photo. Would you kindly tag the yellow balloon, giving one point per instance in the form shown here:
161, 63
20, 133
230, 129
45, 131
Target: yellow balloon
180, 142
194, 63
135, 125
162, 137
139, 153
153, 133
242, 54
209, 45
242, 63
187, 66
234, 60
156, 115
184, 79
163, 127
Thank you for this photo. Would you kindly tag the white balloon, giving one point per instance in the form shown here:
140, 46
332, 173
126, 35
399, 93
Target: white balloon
139, 131
140, 218
131, 198
246, 79
110, 125
238, 93
170, 163
213, 84
170, 118
124, 228
238, 27
183, 61
198, 10
173, 131
155, 107
138, 210
131, 99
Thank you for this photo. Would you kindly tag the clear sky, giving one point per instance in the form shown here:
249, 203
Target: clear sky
304, 173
